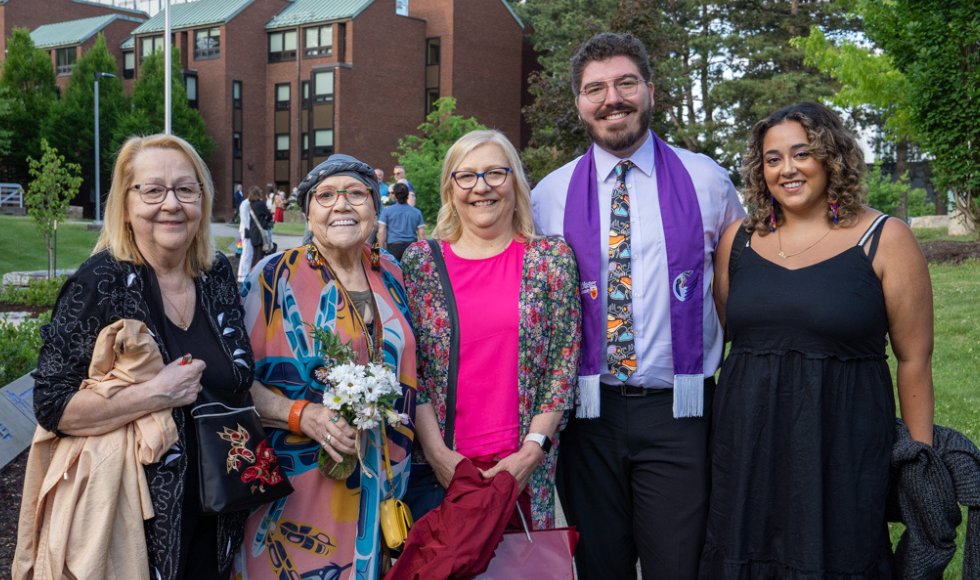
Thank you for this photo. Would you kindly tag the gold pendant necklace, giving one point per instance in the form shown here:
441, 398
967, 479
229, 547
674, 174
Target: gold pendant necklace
183, 324
784, 256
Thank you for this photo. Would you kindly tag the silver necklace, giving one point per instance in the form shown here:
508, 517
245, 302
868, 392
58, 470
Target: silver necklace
183, 324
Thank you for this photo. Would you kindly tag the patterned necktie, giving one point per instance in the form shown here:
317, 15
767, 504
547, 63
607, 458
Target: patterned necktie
620, 351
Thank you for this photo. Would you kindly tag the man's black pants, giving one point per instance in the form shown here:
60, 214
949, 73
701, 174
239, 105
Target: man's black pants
635, 482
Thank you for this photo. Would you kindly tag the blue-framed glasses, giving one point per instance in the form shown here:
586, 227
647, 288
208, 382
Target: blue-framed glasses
493, 177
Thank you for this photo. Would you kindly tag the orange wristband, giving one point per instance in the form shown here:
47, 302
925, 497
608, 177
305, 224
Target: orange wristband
295, 412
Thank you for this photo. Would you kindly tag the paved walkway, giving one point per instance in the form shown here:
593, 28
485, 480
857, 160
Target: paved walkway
228, 230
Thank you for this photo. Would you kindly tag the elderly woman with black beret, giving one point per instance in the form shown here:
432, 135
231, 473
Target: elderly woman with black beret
327, 528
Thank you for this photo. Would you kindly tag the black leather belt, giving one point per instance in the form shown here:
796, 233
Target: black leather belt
631, 391
627, 390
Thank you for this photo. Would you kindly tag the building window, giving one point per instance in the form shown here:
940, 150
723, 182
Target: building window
236, 145
306, 94
323, 87
282, 46
66, 58
282, 146
431, 96
282, 97
304, 152
236, 94
190, 81
150, 45
207, 43
323, 143
432, 51
129, 64
318, 41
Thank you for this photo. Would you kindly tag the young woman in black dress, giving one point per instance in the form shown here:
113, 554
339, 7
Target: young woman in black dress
804, 410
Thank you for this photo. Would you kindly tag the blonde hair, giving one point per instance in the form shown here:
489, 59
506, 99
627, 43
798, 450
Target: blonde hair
448, 225
117, 235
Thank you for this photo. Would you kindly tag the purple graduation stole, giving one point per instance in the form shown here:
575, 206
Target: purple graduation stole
684, 241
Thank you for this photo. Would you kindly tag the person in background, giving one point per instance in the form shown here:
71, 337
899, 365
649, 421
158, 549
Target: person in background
643, 219
400, 224
280, 203
380, 176
237, 199
248, 250
519, 335
263, 219
154, 262
804, 424
399, 175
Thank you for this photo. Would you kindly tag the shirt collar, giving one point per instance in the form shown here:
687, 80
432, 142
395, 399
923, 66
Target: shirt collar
605, 162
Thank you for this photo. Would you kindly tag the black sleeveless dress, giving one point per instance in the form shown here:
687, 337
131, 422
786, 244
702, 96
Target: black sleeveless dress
803, 423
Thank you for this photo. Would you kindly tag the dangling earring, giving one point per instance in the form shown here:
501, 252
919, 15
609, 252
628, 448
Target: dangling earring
454, 209
376, 257
772, 213
834, 205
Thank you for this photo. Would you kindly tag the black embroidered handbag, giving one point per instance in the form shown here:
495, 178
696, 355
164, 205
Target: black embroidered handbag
238, 470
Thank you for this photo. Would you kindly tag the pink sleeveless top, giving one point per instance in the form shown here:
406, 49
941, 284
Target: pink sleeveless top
488, 293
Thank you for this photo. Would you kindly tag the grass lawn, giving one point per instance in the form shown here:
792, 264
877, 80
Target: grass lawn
24, 250
932, 234
955, 363
287, 229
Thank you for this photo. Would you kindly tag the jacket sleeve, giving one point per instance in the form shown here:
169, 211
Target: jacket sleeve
559, 389
69, 341
412, 276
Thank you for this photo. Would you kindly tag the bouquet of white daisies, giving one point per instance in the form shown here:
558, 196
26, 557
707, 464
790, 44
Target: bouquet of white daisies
363, 395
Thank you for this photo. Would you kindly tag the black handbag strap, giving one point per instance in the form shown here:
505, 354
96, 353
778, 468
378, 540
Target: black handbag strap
447, 291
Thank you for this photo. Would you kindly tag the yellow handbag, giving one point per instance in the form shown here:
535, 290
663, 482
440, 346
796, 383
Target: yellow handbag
396, 518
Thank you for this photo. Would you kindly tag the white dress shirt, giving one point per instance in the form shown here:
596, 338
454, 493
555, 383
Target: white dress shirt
720, 207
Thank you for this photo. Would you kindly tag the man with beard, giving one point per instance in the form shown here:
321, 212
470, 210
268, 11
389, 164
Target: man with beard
644, 219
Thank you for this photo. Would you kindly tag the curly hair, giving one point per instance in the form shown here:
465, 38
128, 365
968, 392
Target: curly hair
830, 143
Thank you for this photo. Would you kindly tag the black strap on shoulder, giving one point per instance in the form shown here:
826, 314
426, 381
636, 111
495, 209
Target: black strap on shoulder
740, 242
447, 289
874, 232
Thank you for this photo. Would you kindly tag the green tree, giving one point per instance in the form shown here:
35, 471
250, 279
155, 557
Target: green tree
6, 104
867, 78
147, 115
70, 126
886, 195
29, 83
934, 44
422, 156
55, 183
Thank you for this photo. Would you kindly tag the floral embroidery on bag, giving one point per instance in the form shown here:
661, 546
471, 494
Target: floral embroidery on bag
265, 471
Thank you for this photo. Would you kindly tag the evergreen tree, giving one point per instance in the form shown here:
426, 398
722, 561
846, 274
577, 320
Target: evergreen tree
28, 82
147, 115
70, 126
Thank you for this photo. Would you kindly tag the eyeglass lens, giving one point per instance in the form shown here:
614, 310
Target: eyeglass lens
328, 197
153, 193
625, 86
494, 177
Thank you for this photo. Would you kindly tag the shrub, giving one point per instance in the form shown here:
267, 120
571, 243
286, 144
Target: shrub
885, 195
19, 346
37, 293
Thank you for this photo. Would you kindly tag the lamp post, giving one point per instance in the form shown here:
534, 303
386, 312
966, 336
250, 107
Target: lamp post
167, 113
98, 190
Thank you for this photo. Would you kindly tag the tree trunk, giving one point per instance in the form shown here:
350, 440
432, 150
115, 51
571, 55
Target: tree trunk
901, 171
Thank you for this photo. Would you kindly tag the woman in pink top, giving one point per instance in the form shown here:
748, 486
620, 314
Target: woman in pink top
519, 321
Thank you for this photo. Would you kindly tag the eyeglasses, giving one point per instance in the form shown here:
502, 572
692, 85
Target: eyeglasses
625, 86
493, 177
154, 193
328, 196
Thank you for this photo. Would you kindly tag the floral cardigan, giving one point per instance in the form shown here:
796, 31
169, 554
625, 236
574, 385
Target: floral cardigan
550, 344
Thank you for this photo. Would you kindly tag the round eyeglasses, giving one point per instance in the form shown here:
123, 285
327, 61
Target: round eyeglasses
155, 193
328, 196
626, 87
493, 177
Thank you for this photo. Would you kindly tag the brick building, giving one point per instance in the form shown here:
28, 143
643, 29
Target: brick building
282, 84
